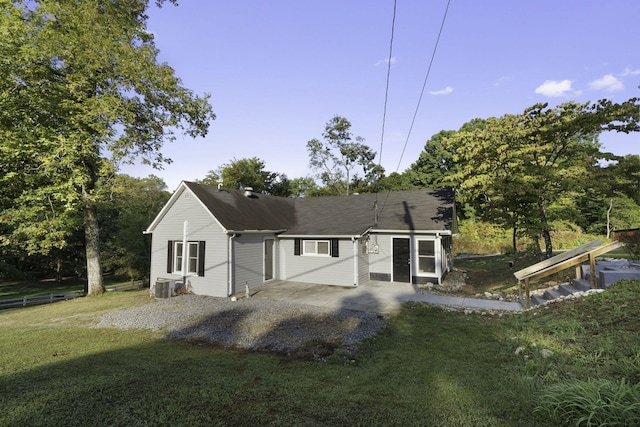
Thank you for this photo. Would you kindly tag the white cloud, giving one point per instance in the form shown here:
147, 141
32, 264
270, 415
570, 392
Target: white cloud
499, 81
553, 88
608, 83
629, 72
385, 61
446, 91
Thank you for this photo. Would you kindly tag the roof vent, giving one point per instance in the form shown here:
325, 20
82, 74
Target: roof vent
248, 191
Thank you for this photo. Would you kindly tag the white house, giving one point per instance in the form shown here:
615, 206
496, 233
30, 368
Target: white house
220, 241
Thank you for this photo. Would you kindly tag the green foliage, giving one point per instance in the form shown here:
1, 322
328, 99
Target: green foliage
591, 403
125, 214
249, 172
342, 160
516, 167
79, 80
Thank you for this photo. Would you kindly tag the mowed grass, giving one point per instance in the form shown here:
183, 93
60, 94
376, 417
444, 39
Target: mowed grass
428, 367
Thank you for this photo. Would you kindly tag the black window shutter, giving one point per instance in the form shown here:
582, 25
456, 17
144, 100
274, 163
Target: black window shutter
334, 248
296, 247
170, 257
201, 245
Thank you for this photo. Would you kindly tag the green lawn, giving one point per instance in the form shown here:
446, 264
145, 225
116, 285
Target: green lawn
428, 367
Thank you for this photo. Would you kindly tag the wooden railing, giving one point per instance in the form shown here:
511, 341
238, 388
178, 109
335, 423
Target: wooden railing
572, 258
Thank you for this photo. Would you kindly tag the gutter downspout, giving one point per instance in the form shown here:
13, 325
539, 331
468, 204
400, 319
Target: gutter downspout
185, 253
355, 261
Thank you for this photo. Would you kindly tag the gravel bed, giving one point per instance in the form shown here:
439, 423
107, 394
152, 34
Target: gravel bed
294, 330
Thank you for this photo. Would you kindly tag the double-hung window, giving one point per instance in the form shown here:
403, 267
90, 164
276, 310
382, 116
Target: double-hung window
192, 254
426, 256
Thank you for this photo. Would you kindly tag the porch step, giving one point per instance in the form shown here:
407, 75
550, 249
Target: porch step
567, 289
563, 290
581, 284
550, 294
537, 300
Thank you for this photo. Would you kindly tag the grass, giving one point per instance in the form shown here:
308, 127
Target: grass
494, 273
428, 367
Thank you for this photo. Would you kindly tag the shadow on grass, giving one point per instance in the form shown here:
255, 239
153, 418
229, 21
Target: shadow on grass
425, 369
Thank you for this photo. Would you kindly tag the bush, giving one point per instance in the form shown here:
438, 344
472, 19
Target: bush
591, 403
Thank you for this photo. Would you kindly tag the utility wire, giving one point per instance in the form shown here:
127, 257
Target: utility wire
415, 114
386, 98
424, 85
386, 91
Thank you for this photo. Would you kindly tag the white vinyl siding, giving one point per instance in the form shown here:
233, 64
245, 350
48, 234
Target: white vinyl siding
363, 261
201, 227
382, 261
248, 265
316, 269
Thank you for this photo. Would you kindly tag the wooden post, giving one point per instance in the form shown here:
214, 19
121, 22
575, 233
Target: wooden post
592, 267
520, 290
526, 289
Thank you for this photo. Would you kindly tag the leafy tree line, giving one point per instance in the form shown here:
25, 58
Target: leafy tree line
80, 82
523, 172
81, 89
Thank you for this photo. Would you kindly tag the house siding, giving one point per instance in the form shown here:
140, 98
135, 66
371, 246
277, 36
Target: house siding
363, 262
201, 226
249, 262
380, 259
328, 270
381, 263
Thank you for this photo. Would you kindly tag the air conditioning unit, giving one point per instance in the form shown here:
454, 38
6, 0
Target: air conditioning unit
163, 288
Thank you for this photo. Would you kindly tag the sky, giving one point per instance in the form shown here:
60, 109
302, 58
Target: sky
279, 70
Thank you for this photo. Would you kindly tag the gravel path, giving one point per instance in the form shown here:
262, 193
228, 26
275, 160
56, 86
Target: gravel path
294, 330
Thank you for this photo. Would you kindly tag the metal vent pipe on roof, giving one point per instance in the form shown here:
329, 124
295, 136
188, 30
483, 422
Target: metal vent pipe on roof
248, 191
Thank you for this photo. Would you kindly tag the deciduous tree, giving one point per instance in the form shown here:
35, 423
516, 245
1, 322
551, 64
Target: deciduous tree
81, 81
342, 159
521, 164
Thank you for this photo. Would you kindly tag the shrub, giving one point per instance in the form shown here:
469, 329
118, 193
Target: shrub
591, 403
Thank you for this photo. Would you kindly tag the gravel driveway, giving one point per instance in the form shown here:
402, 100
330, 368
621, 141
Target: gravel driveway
294, 330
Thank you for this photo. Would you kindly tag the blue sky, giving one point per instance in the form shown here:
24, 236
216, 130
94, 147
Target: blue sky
278, 70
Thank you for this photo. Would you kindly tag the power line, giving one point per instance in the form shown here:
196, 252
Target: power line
415, 114
386, 91
386, 98
424, 85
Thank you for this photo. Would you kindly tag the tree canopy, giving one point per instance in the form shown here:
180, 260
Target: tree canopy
342, 160
81, 81
249, 172
517, 166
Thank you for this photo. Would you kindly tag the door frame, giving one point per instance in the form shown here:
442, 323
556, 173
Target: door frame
265, 261
409, 266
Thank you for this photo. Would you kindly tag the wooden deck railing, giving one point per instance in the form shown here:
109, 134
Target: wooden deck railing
572, 258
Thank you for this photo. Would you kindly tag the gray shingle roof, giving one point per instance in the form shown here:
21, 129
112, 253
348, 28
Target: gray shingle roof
336, 215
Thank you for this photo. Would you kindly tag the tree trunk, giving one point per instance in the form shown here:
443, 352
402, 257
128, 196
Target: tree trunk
95, 283
59, 270
548, 246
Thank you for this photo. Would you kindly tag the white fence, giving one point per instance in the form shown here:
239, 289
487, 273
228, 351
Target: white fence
37, 300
